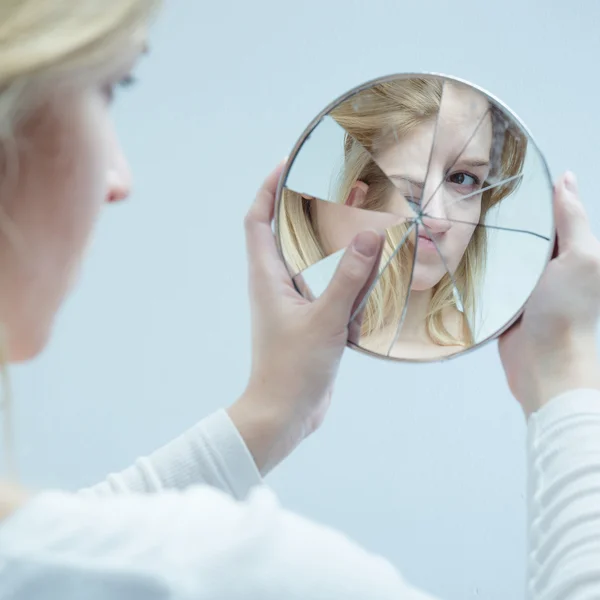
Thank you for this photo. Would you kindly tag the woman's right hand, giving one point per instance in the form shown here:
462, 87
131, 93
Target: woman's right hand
297, 344
553, 348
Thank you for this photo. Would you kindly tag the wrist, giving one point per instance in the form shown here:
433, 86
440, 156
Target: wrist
269, 433
574, 364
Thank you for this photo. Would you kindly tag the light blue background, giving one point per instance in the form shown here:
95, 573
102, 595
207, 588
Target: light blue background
424, 464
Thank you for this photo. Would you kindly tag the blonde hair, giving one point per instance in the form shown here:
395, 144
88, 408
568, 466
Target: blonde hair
398, 107
41, 41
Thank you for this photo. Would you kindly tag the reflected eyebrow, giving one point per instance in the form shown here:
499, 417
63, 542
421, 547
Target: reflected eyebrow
407, 179
473, 162
467, 162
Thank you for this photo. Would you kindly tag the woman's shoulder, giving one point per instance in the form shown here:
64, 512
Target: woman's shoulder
189, 541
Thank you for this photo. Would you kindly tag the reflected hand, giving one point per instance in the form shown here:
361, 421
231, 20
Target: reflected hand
296, 344
553, 347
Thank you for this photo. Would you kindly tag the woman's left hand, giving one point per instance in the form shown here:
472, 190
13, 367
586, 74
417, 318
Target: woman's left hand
296, 344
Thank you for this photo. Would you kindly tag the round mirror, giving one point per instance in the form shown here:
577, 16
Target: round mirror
460, 191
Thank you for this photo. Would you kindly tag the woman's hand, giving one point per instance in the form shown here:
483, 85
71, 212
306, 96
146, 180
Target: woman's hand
553, 348
296, 344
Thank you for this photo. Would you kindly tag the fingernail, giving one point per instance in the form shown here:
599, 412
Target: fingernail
366, 243
570, 182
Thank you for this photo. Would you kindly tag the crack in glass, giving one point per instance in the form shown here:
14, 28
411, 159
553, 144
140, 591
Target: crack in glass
451, 275
496, 227
402, 263
466, 145
407, 294
297, 205
481, 191
397, 249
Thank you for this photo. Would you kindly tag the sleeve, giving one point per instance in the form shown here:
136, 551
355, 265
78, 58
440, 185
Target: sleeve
564, 498
199, 544
212, 452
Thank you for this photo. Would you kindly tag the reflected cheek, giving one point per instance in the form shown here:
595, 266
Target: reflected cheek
398, 205
333, 237
337, 233
461, 236
465, 210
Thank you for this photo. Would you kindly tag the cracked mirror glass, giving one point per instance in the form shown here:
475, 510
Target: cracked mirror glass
459, 191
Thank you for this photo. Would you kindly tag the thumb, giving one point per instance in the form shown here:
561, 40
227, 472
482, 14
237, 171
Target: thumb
572, 223
354, 271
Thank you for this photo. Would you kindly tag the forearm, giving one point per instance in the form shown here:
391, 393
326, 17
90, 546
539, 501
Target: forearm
572, 364
212, 453
268, 429
564, 500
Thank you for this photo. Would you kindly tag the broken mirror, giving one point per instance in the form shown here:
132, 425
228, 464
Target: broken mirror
458, 188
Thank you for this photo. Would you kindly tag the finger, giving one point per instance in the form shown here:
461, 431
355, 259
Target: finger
263, 207
506, 334
572, 225
263, 256
350, 278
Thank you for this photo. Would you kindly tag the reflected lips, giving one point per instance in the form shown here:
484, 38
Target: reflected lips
425, 242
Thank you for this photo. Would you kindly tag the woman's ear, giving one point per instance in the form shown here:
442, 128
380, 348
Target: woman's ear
358, 194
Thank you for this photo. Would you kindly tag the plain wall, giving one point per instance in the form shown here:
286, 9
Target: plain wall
424, 464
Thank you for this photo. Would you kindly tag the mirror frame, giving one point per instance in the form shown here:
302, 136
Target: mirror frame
365, 86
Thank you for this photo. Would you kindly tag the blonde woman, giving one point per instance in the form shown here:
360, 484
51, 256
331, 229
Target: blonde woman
475, 163
194, 521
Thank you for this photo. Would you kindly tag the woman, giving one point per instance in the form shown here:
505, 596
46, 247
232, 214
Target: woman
413, 145
59, 64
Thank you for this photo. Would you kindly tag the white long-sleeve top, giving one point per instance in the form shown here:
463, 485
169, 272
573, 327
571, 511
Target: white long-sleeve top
193, 521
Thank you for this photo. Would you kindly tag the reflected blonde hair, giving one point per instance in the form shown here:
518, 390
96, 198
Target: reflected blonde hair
40, 42
397, 107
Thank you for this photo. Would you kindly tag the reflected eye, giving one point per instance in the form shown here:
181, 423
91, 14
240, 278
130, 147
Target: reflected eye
464, 179
414, 203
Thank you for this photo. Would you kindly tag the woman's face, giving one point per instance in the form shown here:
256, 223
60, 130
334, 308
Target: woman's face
69, 165
436, 182
431, 182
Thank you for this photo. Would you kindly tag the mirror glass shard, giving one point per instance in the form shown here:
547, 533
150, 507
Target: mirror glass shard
457, 188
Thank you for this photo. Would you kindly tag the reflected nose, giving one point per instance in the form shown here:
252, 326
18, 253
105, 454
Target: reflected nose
436, 226
434, 214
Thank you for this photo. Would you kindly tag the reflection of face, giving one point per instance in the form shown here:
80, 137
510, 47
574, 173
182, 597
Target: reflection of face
70, 166
337, 225
459, 165
448, 219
